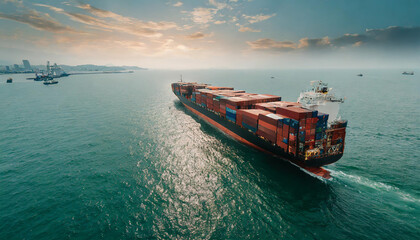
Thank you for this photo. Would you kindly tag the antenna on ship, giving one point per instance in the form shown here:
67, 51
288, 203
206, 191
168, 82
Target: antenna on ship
181, 77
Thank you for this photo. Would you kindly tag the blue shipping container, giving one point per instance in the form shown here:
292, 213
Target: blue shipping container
294, 123
230, 110
230, 118
249, 127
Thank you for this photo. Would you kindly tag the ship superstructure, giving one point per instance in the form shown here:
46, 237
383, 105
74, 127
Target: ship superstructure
322, 99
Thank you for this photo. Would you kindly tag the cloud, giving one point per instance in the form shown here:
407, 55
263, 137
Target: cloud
314, 43
349, 39
203, 15
247, 29
178, 4
128, 20
269, 44
217, 4
258, 18
107, 20
197, 35
394, 35
35, 19
219, 22
391, 37
56, 9
283, 46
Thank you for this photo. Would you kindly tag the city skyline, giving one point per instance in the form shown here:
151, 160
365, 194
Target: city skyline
212, 34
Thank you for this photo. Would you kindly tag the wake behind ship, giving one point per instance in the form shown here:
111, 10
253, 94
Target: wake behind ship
293, 131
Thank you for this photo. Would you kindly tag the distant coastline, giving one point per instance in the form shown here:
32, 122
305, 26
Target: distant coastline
69, 68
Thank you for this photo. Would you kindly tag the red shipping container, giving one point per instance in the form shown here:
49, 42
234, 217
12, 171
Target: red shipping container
279, 138
292, 150
293, 130
265, 106
266, 130
280, 131
270, 137
222, 110
239, 119
296, 113
249, 122
285, 130
272, 119
251, 114
282, 145
292, 137
267, 125
231, 106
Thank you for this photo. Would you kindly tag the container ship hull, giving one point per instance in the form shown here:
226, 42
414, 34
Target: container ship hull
287, 130
249, 138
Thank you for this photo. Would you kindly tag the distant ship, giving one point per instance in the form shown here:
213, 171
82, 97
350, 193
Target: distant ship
49, 82
408, 73
9, 80
53, 71
360, 75
42, 78
307, 133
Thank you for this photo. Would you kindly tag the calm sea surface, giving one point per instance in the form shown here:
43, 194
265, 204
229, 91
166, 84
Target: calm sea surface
117, 156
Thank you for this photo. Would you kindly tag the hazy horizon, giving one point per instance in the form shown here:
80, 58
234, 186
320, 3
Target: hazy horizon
213, 34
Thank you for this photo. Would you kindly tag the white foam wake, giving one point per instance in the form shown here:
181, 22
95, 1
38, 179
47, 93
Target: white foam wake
374, 185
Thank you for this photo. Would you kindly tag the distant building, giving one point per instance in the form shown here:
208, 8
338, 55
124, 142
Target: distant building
16, 67
26, 65
8, 68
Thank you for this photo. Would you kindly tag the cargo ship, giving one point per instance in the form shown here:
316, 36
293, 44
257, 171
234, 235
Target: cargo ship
297, 132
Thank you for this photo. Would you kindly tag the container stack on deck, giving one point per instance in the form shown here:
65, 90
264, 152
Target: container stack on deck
298, 131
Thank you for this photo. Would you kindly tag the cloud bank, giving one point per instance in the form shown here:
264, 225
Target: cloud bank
391, 37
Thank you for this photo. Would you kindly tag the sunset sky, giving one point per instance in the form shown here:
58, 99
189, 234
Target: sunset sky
213, 33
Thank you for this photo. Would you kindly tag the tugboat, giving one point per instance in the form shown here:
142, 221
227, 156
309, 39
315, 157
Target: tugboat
9, 80
408, 73
321, 99
50, 82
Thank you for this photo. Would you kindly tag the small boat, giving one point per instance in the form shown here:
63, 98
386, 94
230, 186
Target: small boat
272, 77
49, 82
408, 73
360, 75
9, 80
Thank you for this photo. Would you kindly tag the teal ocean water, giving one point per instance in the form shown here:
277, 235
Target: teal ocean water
117, 156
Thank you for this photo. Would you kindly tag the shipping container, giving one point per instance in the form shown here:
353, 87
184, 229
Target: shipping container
296, 113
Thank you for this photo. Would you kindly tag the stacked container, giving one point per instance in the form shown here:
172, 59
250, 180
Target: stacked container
267, 126
296, 130
271, 106
248, 118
